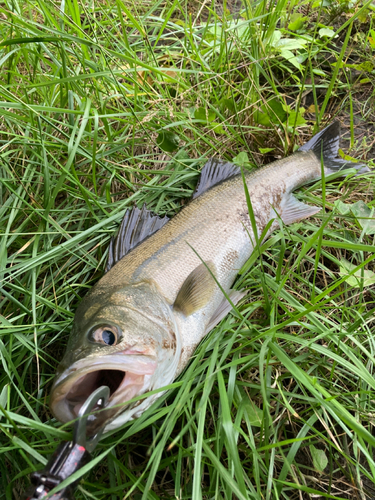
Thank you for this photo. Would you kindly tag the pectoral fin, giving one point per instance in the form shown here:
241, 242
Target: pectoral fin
196, 290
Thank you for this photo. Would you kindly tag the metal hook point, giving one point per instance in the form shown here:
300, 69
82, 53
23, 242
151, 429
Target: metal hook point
99, 397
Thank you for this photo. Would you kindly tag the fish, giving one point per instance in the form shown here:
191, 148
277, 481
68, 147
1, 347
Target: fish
168, 282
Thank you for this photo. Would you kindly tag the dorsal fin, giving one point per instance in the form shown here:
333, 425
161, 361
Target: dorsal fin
213, 172
136, 226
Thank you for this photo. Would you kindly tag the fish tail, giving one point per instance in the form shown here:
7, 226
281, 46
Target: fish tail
325, 145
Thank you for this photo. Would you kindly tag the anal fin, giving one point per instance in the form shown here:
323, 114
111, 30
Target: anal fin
224, 308
292, 210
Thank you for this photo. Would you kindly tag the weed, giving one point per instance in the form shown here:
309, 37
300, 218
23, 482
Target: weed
109, 104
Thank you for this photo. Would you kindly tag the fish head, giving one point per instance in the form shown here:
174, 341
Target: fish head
125, 338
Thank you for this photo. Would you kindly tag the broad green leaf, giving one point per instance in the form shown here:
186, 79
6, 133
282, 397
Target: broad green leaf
265, 150
296, 21
319, 72
290, 44
227, 104
237, 26
342, 208
204, 114
359, 278
167, 141
278, 109
240, 28
217, 128
272, 111
296, 118
371, 39
363, 16
273, 39
319, 458
364, 66
262, 118
242, 160
364, 214
301, 58
326, 32
290, 57
255, 414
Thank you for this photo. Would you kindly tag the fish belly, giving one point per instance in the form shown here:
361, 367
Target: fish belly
214, 228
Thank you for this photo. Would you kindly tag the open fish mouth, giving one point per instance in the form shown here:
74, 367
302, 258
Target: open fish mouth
126, 376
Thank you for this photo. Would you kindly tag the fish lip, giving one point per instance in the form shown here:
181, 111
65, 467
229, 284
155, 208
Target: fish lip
137, 368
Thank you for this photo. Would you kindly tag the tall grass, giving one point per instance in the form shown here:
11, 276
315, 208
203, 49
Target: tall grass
104, 105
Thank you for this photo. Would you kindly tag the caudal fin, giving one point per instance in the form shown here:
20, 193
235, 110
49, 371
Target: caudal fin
325, 144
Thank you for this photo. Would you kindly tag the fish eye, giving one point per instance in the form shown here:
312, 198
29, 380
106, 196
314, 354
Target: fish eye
104, 334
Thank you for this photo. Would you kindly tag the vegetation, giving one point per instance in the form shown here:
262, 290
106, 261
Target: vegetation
108, 104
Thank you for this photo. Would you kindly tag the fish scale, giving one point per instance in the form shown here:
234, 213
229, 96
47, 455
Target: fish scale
215, 227
161, 293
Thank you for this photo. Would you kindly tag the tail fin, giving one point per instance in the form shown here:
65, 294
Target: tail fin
325, 144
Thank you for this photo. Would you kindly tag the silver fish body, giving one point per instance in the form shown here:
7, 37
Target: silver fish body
161, 298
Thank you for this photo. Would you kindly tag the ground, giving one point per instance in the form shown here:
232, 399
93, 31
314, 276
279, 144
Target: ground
109, 104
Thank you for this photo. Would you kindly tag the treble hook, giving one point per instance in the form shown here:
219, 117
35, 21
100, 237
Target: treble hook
70, 456
97, 398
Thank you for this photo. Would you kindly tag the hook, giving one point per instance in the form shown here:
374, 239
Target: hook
97, 398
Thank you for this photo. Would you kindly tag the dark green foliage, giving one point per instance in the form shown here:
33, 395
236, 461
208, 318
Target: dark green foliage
104, 105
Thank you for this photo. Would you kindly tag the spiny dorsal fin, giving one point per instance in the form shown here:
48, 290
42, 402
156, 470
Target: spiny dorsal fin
196, 290
213, 172
136, 226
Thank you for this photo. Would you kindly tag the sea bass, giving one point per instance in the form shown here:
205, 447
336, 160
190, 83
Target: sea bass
162, 293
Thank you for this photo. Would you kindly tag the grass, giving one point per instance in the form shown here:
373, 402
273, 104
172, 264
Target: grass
104, 105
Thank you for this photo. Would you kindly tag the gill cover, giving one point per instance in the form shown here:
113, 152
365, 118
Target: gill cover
144, 357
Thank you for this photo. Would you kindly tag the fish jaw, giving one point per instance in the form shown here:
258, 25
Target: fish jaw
127, 375
145, 359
